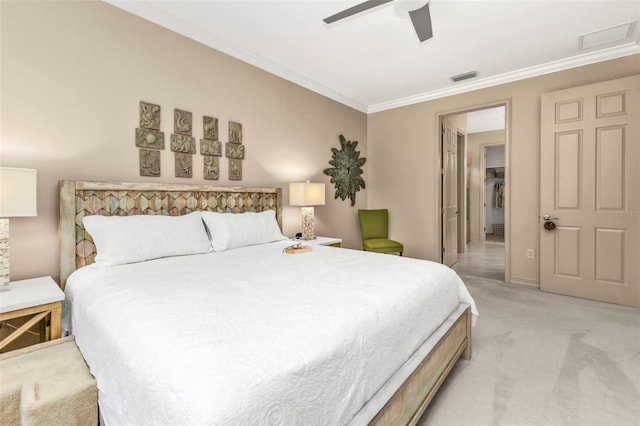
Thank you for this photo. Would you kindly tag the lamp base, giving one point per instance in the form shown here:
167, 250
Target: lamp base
4, 252
308, 224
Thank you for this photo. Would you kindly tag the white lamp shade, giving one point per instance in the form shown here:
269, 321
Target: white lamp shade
18, 192
306, 194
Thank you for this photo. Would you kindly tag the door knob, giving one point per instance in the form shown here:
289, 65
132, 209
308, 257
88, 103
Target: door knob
548, 222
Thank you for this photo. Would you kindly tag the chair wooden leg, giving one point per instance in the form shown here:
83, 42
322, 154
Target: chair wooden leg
400, 253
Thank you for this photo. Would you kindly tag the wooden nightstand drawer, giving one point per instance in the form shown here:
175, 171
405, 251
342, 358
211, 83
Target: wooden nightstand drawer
39, 298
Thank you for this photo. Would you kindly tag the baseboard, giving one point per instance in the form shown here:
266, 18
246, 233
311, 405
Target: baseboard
525, 281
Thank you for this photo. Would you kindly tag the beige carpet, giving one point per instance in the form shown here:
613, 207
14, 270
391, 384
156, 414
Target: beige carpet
543, 359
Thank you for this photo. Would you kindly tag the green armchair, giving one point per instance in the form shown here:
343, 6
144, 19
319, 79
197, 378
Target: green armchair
374, 225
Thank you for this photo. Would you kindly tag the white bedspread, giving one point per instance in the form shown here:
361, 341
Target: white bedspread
253, 335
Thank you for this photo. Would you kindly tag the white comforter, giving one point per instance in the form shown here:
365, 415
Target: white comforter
253, 335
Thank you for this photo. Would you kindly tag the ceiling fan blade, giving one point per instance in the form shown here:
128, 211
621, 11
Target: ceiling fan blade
421, 19
370, 4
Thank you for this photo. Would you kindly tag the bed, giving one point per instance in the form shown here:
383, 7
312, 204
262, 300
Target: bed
248, 334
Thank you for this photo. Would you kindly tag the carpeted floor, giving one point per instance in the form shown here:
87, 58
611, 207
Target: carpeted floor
543, 359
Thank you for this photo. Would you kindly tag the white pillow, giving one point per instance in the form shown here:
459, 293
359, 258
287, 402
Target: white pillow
128, 239
232, 230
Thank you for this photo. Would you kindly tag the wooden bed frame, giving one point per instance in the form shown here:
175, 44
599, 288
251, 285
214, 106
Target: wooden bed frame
405, 396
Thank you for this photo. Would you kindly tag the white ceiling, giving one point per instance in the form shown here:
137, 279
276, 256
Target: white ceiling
373, 61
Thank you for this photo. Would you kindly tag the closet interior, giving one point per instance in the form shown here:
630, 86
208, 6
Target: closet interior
494, 193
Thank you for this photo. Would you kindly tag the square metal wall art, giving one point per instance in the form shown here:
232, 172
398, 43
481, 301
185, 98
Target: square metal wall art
147, 138
182, 121
234, 150
211, 167
149, 116
210, 128
235, 132
208, 147
184, 165
149, 162
183, 143
235, 169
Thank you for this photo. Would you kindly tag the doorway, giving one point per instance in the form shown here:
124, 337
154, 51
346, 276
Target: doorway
481, 183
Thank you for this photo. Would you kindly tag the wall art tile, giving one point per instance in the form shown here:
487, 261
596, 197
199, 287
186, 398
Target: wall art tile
211, 167
149, 116
148, 138
149, 162
184, 165
182, 121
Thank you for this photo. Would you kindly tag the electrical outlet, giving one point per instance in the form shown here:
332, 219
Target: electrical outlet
531, 254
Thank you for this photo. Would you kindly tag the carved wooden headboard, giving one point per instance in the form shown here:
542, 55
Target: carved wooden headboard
80, 198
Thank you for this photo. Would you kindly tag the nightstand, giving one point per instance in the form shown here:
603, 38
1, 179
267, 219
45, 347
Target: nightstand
40, 297
324, 241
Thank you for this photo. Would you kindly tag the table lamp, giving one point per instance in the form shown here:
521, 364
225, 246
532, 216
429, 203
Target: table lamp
18, 195
307, 195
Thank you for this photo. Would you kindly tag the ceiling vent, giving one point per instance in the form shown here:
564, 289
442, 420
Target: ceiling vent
464, 76
606, 36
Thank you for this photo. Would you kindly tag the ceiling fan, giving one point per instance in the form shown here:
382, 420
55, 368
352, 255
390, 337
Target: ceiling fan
418, 12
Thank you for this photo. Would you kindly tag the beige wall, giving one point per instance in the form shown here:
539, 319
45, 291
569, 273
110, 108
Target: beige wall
474, 151
72, 76
74, 72
402, 159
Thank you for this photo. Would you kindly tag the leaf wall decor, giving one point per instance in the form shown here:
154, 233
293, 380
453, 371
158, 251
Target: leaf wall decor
346, 173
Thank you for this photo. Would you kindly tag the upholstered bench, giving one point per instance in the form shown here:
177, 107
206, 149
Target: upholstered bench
47, 384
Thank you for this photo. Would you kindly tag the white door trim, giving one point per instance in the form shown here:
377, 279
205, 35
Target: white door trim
462, 190
437, 201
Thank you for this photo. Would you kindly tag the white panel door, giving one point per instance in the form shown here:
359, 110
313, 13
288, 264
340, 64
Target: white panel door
449, 193
590, 189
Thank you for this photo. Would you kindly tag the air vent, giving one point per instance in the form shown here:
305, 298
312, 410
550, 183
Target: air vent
464, 76
609, 35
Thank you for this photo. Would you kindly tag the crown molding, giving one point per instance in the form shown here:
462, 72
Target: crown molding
535, 71
147, 11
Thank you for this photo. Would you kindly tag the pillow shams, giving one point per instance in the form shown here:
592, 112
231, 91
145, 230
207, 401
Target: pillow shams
232, 230
128, 239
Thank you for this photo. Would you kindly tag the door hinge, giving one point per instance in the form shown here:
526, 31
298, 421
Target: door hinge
443, 250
